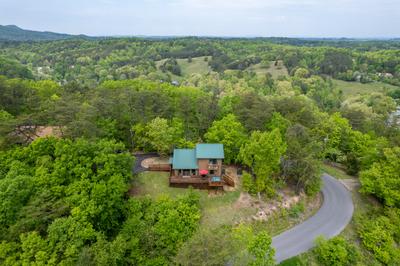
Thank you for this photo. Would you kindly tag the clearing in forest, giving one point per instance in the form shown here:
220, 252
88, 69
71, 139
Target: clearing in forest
276, 69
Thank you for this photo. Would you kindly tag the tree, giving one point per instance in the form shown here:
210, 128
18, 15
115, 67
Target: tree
230, 132
382, 179
335, 61
238, 245
301, 161
260, 248
159, 134
263, 153
278, 121
253, 111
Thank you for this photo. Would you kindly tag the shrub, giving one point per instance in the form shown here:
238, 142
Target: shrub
335, 252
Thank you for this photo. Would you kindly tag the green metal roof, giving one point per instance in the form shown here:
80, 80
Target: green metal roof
184, 159
209, 151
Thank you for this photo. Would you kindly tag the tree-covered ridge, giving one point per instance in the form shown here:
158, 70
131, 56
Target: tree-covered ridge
15, 33
93, 61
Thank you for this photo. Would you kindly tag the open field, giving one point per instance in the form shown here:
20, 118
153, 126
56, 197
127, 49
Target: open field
353, 88
275, 71
197, 66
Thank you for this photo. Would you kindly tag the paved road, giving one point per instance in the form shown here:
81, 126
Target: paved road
333, 216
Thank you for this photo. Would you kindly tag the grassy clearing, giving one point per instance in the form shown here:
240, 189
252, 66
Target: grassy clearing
275, 71
197, 66
217, 209
220, 209
354, 88
335, 172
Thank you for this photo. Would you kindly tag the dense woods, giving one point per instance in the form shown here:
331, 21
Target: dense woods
65, 200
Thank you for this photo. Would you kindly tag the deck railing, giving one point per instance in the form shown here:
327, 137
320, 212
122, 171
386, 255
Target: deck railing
195, 181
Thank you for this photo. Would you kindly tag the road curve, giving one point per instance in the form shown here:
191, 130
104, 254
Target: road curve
333, 216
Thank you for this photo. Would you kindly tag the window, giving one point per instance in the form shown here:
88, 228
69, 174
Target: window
212, 161
212, 172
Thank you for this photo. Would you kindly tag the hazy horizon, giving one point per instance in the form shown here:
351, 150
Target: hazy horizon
368, 19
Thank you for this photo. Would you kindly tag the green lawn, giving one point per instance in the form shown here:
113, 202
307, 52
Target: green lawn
353, 88
275, 71
220, 209
216, 209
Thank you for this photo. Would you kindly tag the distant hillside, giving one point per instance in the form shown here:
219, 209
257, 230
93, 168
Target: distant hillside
14, 33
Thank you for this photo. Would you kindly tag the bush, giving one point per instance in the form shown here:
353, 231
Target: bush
296, 210
247, 182
335, 252
377, 236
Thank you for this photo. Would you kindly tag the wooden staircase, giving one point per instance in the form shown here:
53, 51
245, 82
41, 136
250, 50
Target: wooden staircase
229, 180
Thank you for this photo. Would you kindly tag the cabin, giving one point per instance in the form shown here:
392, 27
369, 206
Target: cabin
200, 167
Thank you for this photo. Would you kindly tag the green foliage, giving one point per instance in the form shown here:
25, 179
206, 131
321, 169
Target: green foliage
159, 135
253, 111
383, 179
237, 246
260, 248
262, 153
278, 121
297, 209
172, 66
230, 132
378, 237
301, 165
336, 252
247, 182
65, 201
13, 69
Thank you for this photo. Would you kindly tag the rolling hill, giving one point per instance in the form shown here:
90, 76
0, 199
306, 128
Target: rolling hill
15, 33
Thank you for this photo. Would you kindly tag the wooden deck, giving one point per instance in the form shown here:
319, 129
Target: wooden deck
194, 181
160, 167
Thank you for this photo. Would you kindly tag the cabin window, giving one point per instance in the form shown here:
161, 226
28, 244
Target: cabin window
212, 172
186, 172
212, 161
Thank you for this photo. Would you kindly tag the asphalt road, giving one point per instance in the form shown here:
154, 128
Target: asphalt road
333, 216
139, 157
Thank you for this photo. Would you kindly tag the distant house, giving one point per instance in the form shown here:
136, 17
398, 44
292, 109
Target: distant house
198, 167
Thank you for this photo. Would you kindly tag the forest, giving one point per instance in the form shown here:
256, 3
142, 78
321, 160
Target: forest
283, 108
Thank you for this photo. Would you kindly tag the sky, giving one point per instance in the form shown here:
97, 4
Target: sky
235, 18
